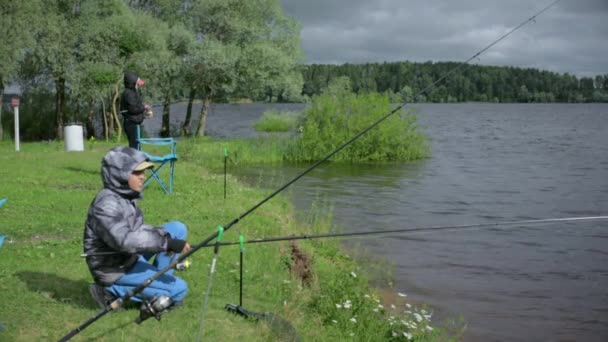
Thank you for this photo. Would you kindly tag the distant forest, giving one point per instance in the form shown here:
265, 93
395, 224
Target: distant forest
403, 80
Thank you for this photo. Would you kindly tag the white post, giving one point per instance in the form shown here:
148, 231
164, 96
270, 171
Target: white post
16, 128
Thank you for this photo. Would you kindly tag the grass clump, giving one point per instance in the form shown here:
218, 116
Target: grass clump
277, 121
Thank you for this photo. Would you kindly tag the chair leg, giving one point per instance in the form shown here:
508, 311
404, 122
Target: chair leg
154, 174
171, 179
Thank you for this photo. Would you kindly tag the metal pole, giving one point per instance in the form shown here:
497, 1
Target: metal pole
16, 109
225, 169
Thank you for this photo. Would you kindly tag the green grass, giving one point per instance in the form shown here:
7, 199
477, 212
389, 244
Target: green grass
210, 153
43, 281
277, 121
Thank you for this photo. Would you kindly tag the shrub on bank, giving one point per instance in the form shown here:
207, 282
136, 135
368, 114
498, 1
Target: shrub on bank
339, 114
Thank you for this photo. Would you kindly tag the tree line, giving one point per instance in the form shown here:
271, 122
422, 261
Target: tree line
403, 80
69, 57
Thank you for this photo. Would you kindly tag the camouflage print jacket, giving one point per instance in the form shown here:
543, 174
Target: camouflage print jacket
115, 223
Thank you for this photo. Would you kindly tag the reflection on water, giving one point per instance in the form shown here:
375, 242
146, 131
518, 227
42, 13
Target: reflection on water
489, 163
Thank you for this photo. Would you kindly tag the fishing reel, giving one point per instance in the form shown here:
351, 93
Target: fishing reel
154, 308
149, 114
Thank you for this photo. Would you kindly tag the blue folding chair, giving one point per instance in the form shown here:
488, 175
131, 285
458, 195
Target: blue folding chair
163, 161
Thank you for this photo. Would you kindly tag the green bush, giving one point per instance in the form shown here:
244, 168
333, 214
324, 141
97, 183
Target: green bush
339, 114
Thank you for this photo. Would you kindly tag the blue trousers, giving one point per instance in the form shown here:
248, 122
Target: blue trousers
167, 284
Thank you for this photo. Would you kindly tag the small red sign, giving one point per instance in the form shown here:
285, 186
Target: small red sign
15, 102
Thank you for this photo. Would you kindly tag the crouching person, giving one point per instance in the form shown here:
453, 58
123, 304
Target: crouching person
119, 245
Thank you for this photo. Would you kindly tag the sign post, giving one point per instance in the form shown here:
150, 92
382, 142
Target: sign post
15, 105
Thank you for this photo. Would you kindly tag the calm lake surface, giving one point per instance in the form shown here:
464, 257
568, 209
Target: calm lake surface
489, 163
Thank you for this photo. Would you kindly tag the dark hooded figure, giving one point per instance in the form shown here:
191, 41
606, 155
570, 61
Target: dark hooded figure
132, 107
119, 244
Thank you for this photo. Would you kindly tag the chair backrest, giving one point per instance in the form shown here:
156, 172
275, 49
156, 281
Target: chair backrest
163, 152
156, 146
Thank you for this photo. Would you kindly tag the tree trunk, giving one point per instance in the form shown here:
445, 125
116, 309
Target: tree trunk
202, 123
165, 130
186, 127
115, 114
90, 127
1, 97
105, 119
59, 105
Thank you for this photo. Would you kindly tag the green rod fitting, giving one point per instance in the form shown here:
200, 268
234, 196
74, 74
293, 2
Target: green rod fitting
220, 233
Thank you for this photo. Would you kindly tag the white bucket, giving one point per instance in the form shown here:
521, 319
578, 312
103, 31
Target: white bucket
73, 136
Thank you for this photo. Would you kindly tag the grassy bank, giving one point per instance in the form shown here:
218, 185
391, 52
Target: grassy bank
313, 285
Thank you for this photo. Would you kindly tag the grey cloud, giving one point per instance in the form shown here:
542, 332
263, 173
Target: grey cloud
570, 37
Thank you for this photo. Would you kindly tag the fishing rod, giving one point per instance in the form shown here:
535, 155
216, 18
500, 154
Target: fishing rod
117, 303
394, 231
417, 229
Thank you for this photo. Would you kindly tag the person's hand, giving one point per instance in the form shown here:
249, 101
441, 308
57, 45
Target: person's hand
147, 106
187, 248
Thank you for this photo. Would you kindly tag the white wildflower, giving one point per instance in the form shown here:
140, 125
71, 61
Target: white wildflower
334, 321
394, 334
347, 304
376, 310
353, 274
352, 334
381, 306
408, 305
338, 306
401, 294
418, 317
393, 306
429, 328
407, 335
354, 320
367, 296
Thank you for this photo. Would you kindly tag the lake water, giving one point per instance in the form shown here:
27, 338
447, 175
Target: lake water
489, 163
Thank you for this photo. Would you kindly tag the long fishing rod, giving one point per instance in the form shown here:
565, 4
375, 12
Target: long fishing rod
116, 304
418, 229
394, 231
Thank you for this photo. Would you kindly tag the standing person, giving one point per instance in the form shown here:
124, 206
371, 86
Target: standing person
132, 108
120, 244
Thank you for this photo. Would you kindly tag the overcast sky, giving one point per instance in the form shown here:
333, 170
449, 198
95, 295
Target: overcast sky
570, 37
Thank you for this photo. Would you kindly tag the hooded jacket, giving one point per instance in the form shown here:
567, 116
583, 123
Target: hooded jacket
131, 103
115, 224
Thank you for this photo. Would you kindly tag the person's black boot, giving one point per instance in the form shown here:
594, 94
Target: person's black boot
101, 297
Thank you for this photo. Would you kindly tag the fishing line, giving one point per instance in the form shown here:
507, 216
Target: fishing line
394, 231
116, 304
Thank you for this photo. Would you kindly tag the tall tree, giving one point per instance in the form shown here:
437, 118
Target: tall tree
16, 18
99, 61
56, 49
262, 45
